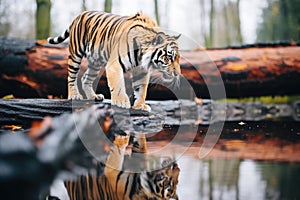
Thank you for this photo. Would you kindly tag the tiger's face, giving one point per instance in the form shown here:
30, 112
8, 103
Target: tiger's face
165, 182
165, 59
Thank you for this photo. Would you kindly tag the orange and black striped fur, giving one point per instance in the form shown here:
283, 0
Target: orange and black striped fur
118, 183
122, 43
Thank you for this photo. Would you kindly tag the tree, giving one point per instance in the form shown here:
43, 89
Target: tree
156, 12
220, 23
232, 25
43, 19
83, 5
238, 21
108, 6
211, 24
4, 25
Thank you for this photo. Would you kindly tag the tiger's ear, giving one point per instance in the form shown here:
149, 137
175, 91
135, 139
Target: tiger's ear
159, 38
176, 37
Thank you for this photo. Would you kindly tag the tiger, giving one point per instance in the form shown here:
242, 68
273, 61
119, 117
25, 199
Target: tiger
119, 184
123, 43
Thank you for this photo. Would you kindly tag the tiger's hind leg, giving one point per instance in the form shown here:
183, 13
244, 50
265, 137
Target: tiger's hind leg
74, 66
87, 83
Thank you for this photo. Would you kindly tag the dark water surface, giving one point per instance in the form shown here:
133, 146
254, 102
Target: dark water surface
256, 155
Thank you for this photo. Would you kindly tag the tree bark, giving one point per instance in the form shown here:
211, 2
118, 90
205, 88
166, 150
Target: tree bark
30, 70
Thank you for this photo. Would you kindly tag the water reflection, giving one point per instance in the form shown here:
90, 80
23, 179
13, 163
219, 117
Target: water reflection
237, 179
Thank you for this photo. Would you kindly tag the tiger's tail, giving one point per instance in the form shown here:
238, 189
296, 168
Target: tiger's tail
59, 39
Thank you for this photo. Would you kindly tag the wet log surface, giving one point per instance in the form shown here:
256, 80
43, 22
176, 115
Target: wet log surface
164, 113
32, 70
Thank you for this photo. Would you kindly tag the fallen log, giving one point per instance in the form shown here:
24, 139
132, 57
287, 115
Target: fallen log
32, 70
23, 112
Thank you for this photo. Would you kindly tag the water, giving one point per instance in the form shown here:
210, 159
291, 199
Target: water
256, 155
228, 179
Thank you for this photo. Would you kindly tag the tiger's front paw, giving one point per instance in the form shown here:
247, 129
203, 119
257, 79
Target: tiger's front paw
97, 97
121, 141
75, 97
142, 107
120, 100
90, 94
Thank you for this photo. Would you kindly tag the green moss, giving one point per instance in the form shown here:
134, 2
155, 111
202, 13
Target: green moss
265, 99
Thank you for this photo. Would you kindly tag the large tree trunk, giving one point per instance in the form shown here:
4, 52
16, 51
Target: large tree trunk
29, 70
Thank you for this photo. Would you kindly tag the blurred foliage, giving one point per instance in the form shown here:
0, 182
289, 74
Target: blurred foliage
281, 21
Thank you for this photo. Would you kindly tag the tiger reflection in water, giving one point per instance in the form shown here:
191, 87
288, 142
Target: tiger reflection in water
118, 183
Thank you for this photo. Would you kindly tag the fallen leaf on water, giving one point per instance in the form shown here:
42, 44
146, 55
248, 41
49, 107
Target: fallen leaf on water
13, 127
10, 96
41, 42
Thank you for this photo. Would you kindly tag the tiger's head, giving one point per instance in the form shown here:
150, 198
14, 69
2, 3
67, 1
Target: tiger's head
165, 59
165, 181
